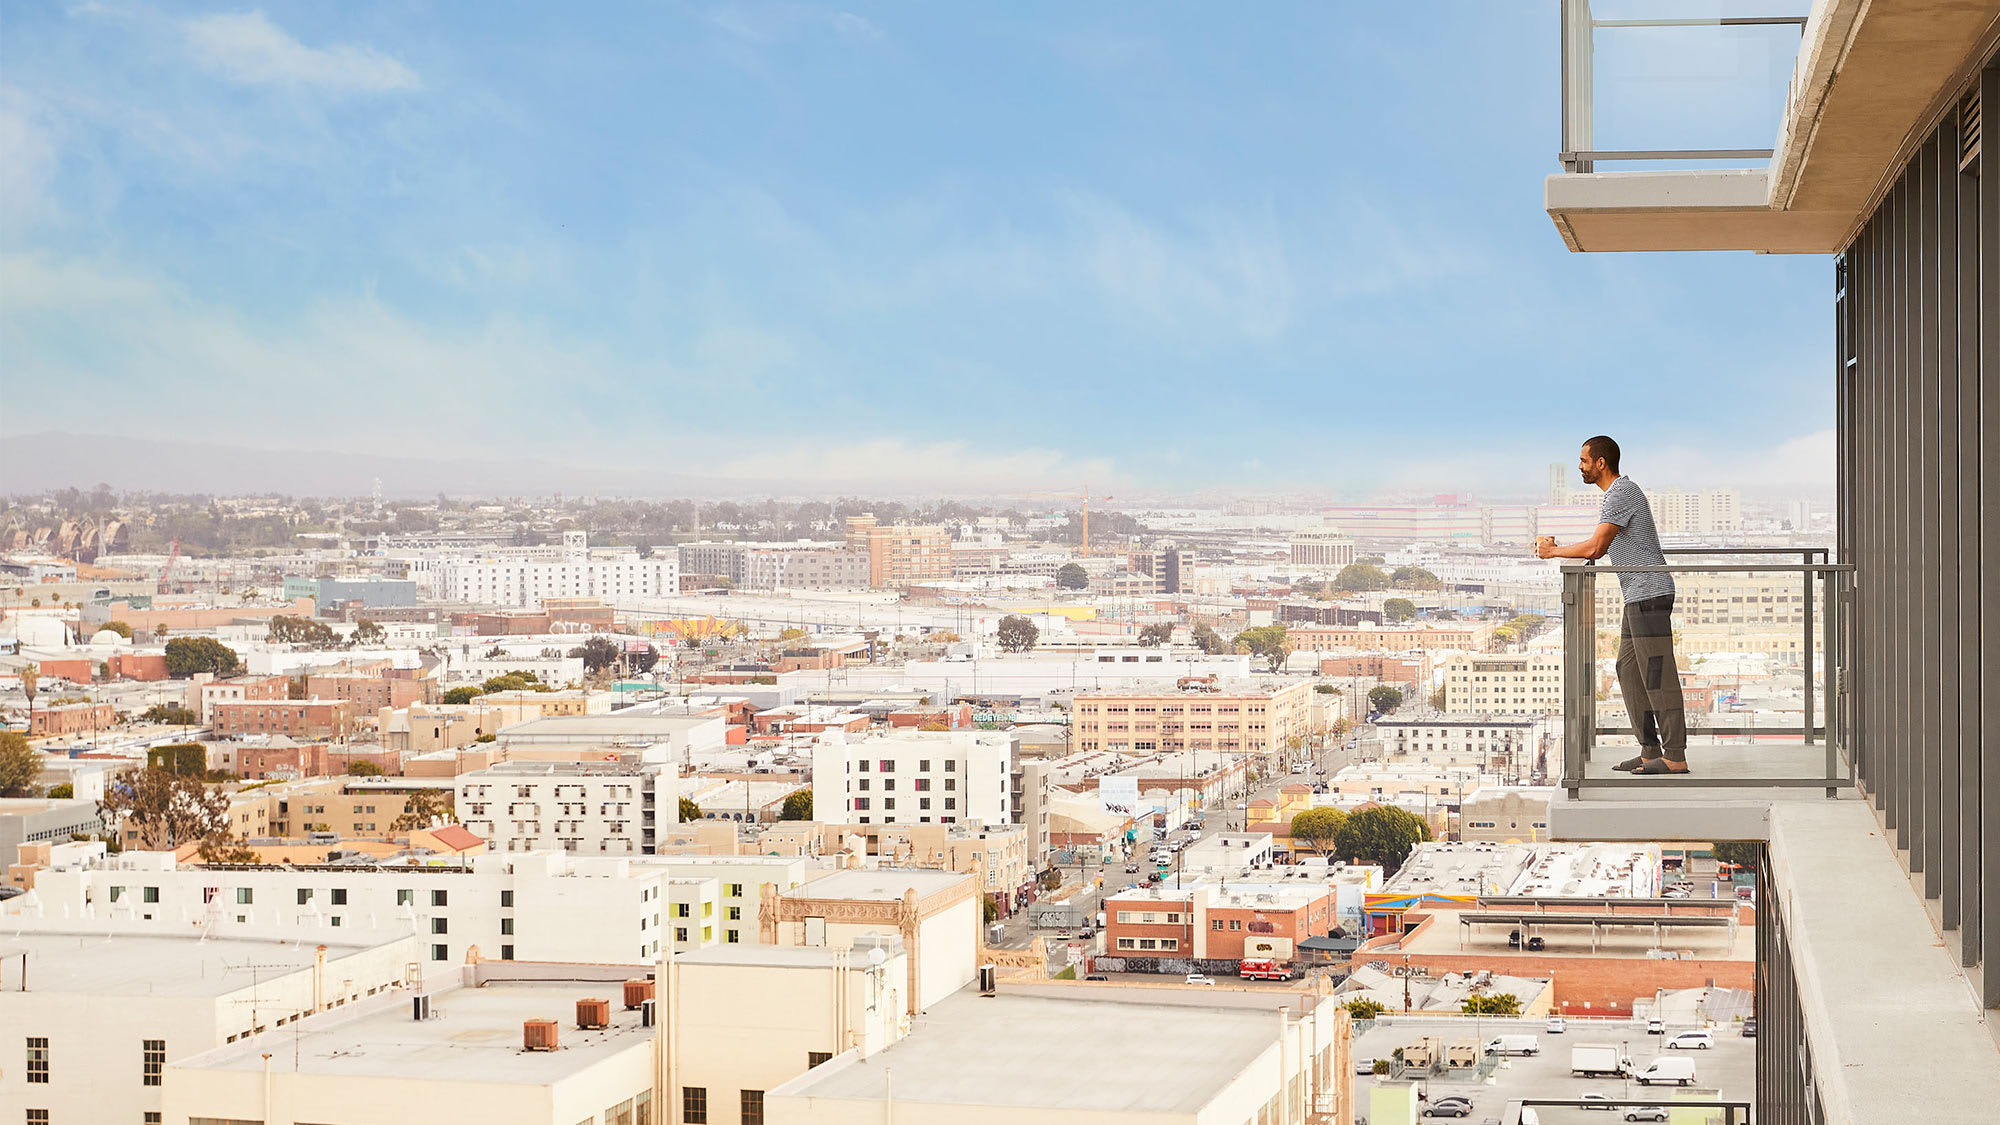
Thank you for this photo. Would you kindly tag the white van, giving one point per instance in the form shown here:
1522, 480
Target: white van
1514, 1045
1662, 1071
1691, 1041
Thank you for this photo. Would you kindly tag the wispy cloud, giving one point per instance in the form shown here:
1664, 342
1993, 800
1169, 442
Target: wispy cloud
249, 48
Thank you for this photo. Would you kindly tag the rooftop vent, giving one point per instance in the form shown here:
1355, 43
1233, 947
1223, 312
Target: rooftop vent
637, 992
593, 1014
538, 1035
1970, 121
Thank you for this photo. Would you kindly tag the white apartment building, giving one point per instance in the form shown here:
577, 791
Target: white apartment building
576, 572
914, 777
1446, 737
592, 808
1487, 684
96, 1013
1714, 511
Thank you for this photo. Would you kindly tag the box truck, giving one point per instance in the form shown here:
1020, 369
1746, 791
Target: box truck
1597, 1060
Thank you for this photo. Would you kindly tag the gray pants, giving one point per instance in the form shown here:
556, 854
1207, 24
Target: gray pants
1650, 680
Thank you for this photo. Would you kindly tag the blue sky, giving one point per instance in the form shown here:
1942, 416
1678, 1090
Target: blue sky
946, 247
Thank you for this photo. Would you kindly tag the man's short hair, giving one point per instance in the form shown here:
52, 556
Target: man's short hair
1603, 447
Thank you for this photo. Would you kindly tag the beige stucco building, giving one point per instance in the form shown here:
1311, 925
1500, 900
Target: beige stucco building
1248, 719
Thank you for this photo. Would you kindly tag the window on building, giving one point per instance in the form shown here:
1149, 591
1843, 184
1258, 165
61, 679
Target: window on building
680, 910
680, 933
243, 896
38, 1117
340, 896
507, 926
734, 890
154, 1059
506, 900
1236, 923
406, 897
38, 1061
305, 896
438, 926
1216, 924
437, 898
814, 1058
753, 1107
506, 953
439, 952
694, 1105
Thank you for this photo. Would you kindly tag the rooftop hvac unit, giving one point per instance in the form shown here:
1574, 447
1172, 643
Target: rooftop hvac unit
420, 1007
593, 1014
647, 1010
988, 981
538, 1035
637, 992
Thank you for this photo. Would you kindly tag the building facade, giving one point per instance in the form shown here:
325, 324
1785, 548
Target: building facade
608, 808
1234, 719
1481, 684
914, 777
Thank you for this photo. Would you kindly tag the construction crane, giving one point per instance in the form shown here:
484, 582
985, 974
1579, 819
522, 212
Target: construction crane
1085, 497
173, 554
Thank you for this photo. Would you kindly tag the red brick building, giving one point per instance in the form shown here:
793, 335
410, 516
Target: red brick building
371, 693
1212, 922
957, 717
75, 718
1406, 670
294, 718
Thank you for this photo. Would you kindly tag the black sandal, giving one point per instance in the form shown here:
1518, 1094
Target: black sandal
1656, 766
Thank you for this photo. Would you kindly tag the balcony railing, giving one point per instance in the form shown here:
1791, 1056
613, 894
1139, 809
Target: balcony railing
1814, 752
1675, 82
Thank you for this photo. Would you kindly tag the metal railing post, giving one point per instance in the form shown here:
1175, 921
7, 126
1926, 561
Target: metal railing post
1577, 717
1836, 682
1807, 643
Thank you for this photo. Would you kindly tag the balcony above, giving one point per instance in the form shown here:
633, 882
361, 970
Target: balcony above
1867, 79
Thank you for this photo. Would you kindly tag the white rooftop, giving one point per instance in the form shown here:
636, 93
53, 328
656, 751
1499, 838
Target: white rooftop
1021, 1051
879, 884
111, 963
473, 1035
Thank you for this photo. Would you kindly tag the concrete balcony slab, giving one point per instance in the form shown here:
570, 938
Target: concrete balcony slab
1729, 796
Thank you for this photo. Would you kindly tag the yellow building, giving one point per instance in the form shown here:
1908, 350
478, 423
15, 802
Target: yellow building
1247, 719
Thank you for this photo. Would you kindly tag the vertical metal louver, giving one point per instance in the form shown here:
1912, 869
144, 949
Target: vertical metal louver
1969, 116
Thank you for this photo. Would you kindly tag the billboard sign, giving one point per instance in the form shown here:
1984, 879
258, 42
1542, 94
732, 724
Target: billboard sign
1118, 795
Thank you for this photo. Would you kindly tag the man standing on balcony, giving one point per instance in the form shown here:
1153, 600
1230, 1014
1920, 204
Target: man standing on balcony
1647, 674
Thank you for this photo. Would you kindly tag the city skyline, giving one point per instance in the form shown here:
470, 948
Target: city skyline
388, 232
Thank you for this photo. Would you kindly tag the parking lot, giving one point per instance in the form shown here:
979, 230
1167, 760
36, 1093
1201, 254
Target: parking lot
1728, 1070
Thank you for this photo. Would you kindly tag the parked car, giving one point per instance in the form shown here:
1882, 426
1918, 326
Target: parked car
1596, 1100
1646, 1113
1131, 869
1656, 1026
1199, 978
1750, 1028
1536, 943
1449, 1107
1364, 1066
1691, 1041
1096, 976
1556, 1025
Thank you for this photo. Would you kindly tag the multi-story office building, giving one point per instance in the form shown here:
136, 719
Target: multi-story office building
575, 572
1453, 737
1231, 718
802, 565
901, 554
1328, 549
293, 718
1879, 158
914, 777
1714, 511
594, 808
1485, 684
1167, 565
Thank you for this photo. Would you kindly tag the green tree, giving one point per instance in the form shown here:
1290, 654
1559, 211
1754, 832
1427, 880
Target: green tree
165, 809
793, 634
1372, 560
598, 653
20, 765
643, 661
1383, 835
1383, 699
690, 812
227, 851
1399, 609
462, 694
188, 655
63, 792
289, 630
1360, 576
512, 681
1415, 578
362, 767
366, 632
1437, 698
423, 808
798, 805
118, 627
1017, 633
1742, 853
1072, 576
1208, 640
1318, 828
1267, 641
1365, 1009
1160, 634
173, 714
1501, 1004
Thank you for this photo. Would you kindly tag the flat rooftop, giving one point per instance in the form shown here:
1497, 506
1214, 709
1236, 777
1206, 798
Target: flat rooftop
570, 728
1022, 1051
879, 884
123, 964
783, 956
473, 1035
1691, 932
